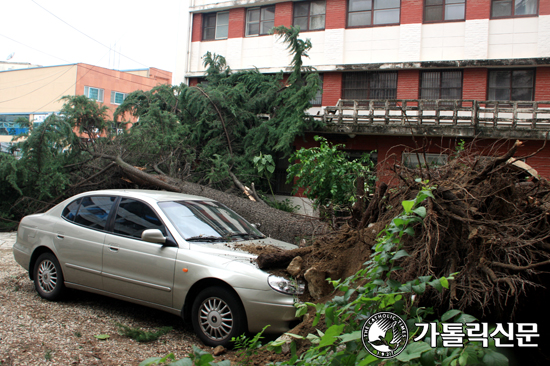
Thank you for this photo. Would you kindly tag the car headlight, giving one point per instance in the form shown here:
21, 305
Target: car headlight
290, 287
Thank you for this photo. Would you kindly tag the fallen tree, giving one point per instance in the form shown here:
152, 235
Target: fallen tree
199, 140
275, 223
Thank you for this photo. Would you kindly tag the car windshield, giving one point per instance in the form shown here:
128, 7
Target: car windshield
208, 221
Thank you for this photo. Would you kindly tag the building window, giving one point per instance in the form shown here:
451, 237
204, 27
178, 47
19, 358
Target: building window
444, 10
260, 20
414, 160
513, 8
310, 15
363, 13
441, 85
215, 25
93, 93
369, 85
511, 84
118, 98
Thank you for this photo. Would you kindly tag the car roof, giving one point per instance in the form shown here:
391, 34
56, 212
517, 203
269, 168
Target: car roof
158, 196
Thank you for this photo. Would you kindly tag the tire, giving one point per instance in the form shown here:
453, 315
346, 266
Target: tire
217, 316
48, 277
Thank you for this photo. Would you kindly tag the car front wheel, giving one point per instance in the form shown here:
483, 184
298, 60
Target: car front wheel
48, 277
218, 316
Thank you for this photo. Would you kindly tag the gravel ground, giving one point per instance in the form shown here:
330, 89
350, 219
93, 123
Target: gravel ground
34, 331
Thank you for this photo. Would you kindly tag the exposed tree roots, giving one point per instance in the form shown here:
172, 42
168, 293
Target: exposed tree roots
488, 223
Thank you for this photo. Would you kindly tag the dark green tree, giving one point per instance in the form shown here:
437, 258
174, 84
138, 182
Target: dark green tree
48, 152
215, 129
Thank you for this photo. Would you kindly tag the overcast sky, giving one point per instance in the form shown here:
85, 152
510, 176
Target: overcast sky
58, 32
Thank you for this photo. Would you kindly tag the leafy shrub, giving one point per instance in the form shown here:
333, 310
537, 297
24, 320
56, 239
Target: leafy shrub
328, 176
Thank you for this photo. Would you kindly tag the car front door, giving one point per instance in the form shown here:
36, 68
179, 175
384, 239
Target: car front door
135, 268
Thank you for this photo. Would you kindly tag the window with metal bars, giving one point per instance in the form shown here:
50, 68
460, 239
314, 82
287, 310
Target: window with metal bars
369, 85
444, 10
318, 99
511, 84
441, 84
513, 8
310, 15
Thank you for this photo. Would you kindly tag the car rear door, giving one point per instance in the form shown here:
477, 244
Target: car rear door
135, 268
79, 238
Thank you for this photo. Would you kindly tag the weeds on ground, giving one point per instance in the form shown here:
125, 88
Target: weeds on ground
141, 335
197, 358
248, 347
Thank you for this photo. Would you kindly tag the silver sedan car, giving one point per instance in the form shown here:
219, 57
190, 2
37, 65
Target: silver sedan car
169, 251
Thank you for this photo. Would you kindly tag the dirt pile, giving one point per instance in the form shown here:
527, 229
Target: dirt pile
336, 255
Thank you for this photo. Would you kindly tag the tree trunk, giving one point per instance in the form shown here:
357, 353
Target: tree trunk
275, 223
280, 259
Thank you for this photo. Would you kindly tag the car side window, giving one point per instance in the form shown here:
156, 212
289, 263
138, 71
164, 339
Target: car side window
69, 212
94, 211
133, 217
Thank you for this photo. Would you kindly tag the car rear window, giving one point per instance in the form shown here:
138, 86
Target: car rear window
69, 212
94, 211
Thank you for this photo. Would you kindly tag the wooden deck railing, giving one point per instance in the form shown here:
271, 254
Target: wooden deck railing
453, 113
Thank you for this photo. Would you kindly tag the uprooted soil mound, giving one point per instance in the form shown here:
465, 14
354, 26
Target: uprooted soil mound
336, 255
488, 223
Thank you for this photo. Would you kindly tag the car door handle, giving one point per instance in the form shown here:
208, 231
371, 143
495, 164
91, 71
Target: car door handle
60, 237
113, 249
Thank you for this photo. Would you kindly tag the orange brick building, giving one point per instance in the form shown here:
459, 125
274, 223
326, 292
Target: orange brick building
35, 93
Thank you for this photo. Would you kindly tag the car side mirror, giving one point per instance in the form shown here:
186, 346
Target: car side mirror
153, 236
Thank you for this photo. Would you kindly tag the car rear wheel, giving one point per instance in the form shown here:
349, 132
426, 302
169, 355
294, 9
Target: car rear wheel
48, 277
217, 316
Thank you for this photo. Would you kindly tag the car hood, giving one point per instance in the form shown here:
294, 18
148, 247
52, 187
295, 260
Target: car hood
233, 251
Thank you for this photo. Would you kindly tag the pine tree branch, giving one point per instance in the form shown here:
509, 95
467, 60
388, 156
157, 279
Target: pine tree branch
221, 118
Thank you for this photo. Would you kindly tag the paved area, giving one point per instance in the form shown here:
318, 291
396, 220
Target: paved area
7, 240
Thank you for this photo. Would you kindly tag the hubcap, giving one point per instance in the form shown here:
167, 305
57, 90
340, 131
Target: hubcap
215, 318
47, 276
